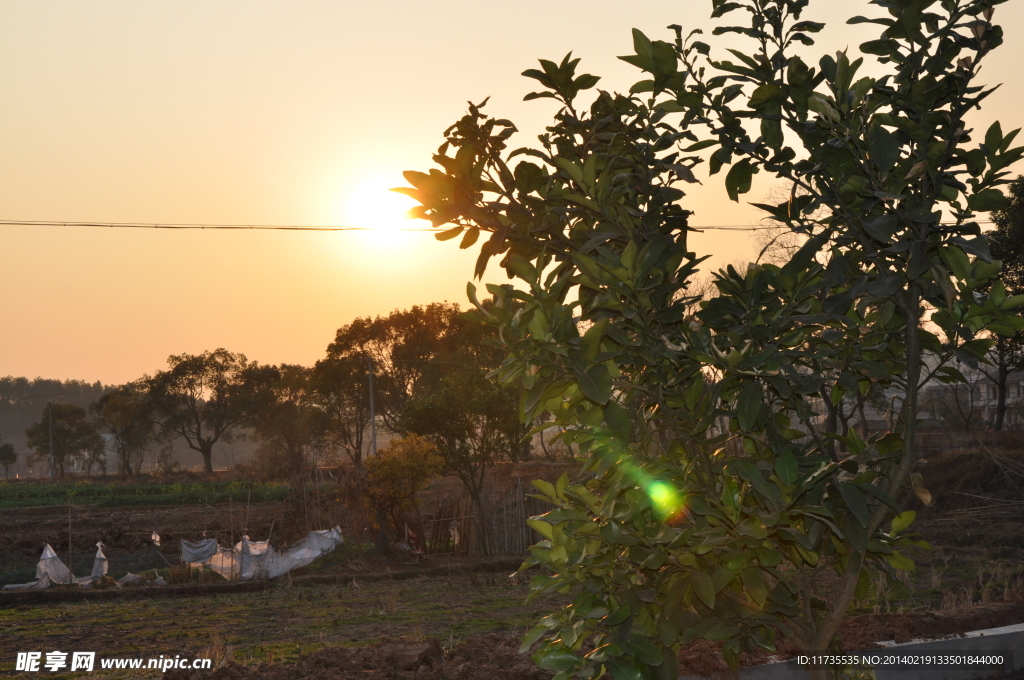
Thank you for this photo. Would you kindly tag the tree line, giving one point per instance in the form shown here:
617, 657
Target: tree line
429, 366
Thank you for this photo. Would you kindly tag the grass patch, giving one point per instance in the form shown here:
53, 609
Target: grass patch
281, 622
21, 495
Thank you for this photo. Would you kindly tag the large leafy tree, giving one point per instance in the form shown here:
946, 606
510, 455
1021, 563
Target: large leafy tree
719, 505
278, 406
395, 475
472, 422
126, 413
74, 437
340, 387
197, 399
400, 345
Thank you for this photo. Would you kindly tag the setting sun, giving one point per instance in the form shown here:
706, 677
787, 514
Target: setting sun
373, 205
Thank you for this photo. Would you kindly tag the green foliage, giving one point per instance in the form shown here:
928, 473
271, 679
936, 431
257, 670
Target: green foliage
277, 403
126, 413
25, 494
197, 399
73, 436
470, 419
397, 473
1007, 246
401, 345
719, 503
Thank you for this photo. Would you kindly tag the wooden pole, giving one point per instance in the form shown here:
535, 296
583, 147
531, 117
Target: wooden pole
70, 554
245, 526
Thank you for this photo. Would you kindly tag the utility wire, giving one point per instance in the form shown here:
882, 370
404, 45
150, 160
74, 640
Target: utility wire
329, 228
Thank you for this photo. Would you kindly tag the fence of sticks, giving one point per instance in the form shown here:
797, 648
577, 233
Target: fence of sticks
453, 526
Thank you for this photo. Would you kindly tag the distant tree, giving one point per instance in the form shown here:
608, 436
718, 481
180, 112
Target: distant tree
1007, 244
126, 413
340, 388
197, 399
22, 398
400, 345
473, 422
74, 437
395, 475
7, 457
278, 406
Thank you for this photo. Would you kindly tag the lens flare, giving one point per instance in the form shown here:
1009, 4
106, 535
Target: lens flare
667, 501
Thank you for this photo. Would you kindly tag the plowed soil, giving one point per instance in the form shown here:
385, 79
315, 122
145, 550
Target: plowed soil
496, 657
481, 657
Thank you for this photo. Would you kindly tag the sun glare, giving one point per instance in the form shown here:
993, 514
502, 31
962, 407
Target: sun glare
373, 205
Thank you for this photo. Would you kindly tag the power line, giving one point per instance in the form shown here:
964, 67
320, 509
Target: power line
323, 228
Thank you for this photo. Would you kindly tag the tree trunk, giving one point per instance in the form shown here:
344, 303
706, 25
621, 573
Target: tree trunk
863, 418
843, 596
207, 451
1000, 393
831, 423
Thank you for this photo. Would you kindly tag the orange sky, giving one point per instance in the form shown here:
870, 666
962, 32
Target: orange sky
269, 112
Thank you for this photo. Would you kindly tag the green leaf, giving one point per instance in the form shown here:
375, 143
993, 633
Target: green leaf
748, 405
618, 420
570, 168
529, 177
987, 200
770, 92
754, 584
704, 588
994, 137
855, 501
541, 527
702, 145
883, 147
738, 180
902, 521
898, 561
448, 234
596, 383
787, 468
546, 488
623, 669
881, 494
555, 658
472, 234
531, 637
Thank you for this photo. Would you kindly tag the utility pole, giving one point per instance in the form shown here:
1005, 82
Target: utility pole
53, 466
373, 413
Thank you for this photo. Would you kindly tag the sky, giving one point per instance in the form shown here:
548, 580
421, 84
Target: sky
304, 112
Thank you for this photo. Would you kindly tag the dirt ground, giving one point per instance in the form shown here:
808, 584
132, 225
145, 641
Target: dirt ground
279, 624
358, 616
124, 531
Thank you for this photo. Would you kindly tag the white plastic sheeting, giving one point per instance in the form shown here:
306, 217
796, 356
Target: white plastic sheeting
50, 570
99, 568
198, 552
51, 566
248, 560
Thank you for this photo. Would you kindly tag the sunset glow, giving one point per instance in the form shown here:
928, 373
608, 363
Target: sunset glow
373, 205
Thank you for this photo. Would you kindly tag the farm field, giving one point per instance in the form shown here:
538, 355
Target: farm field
279, 623
972, 578
113, 494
